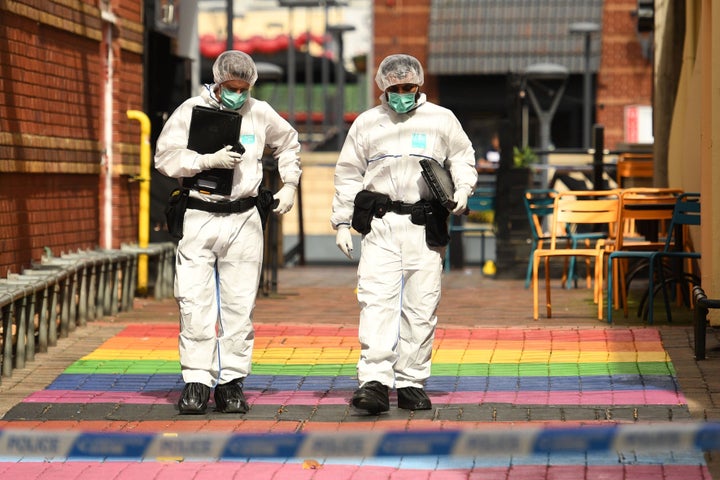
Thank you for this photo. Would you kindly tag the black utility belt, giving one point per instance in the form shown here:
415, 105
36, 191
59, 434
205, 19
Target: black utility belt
431, 213
401, 208
236, 206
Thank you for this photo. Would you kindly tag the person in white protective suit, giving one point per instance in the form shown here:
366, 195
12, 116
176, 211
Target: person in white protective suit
219, 257
380, 192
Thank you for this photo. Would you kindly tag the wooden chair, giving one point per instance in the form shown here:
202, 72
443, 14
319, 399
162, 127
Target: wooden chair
594, 207
643, 220
539, 205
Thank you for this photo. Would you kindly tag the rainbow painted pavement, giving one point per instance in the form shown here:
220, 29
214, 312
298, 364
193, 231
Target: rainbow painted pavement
304, 375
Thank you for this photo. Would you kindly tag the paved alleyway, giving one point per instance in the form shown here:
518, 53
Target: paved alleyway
494, 368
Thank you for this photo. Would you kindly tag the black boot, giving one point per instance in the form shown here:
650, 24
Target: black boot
229, 397
413, 398
373, 397
194, 399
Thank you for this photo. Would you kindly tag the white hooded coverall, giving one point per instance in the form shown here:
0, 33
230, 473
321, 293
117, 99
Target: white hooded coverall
398, 274
219, 257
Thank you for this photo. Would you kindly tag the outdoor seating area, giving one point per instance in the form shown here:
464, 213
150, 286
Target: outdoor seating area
640, 235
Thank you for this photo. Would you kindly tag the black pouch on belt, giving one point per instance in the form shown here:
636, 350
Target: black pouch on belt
436, 225
417, 214
368, 205
265, 204
175, 211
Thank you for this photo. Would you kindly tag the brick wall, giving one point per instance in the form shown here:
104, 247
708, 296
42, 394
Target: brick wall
51, 122
38, 210
401, 26
625, 77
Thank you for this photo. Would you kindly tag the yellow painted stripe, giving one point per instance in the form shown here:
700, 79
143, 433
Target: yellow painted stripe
326, 342
111, 354
350, 355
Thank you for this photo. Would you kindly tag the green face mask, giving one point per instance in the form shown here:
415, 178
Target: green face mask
233, 100
401, 102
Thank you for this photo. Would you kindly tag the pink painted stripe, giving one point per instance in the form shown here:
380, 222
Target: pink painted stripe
294, 469
290, 397
505, 333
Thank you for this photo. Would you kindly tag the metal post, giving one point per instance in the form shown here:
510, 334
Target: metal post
340, 94
586, 29
230, 41
308, 90
291, 69
553, 73
337, 31
598, 156
325, 72
586, 94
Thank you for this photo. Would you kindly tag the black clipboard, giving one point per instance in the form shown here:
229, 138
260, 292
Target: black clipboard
211, 130
439, 181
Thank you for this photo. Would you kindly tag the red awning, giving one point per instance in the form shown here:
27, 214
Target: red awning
212, 46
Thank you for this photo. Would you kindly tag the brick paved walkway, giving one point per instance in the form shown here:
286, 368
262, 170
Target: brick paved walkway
121, 374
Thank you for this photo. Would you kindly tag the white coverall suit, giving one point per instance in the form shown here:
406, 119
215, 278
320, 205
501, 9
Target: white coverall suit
219, 257
399, 276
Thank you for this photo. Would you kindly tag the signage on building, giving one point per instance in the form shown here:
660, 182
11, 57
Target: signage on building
638, 124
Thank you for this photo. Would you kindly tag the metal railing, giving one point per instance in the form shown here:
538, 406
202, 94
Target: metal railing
59, 294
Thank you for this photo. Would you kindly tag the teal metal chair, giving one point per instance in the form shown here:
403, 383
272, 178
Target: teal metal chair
538, 206
482, 200
685, 213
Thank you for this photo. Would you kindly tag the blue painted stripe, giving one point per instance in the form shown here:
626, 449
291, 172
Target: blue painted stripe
164, 382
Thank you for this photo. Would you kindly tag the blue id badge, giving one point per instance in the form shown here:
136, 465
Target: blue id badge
419, 140
247, 139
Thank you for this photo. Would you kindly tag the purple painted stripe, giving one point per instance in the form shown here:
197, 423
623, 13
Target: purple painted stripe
293, 397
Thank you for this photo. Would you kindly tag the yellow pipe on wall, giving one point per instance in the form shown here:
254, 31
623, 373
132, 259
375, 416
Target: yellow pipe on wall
144, 207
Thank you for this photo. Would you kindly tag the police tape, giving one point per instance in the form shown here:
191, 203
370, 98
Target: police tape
516, 441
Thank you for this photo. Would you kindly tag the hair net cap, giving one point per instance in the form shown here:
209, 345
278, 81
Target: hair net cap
234, 65
397, 69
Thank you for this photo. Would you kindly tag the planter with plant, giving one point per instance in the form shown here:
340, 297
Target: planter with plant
521, 173
523, 157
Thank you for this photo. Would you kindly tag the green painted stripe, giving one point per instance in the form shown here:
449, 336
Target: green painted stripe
324, 370
124, 366
438, 369
553, 369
